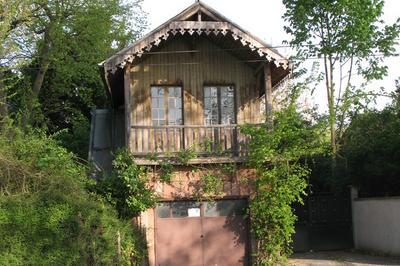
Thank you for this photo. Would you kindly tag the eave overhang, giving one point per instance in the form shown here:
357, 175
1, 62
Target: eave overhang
216, 25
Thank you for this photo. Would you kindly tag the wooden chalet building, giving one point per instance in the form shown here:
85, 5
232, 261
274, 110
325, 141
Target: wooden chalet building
192, 80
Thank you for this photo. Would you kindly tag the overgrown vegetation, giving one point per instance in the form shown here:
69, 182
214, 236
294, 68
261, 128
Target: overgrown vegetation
49, 53
371, 146
127, 188
52, 214
279, 153
47, 217
210, 184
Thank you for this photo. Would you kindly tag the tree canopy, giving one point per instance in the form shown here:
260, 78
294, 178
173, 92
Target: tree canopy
351, 38
55, 81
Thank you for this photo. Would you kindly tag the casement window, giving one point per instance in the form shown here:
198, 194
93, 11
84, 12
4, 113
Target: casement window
166, 105
219, 105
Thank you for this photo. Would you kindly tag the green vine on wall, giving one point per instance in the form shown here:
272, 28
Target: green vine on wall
278, 151
210, 184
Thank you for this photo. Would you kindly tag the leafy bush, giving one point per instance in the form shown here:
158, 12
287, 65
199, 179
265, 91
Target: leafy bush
47, 217
277, 151
127, 187
371, 145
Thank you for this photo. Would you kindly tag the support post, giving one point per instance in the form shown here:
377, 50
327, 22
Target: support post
127, 104
268, 92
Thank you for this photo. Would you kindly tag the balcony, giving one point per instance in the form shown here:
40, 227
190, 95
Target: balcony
211, 143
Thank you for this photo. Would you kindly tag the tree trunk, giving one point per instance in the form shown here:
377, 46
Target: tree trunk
330, 98
3, 99
38, 82
44, 65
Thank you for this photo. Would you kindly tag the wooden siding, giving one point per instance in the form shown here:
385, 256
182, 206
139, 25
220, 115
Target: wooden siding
192, 71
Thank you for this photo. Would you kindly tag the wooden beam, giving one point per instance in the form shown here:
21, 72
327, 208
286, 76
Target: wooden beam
211, 25
259, 68
268, 92
127, 103
208, 13
187, 15
208, 160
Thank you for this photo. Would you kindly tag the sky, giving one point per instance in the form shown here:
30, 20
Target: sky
263, 18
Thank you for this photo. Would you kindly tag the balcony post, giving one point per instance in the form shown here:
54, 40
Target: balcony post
268, 93
127, 104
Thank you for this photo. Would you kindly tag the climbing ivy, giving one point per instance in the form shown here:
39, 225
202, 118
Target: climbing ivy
210, 184
278, 151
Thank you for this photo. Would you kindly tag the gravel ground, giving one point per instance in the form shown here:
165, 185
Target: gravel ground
336, 258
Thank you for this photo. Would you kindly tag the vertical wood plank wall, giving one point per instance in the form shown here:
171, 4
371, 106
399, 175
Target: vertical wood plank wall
192, 71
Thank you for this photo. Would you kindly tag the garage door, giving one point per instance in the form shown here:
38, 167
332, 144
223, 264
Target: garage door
190, 233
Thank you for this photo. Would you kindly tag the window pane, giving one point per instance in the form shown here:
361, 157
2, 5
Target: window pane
154, 115
185, 209
175, 92
163, 210
207, 91
171, 103
179, 103
227, 105
174, 106
178, 117
161, 114
154, 103
160, 102
225, 208
159, 105
154, 91
211, 105
171, 118
160, 91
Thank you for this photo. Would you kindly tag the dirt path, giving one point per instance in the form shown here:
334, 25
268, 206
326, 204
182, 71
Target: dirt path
336, 258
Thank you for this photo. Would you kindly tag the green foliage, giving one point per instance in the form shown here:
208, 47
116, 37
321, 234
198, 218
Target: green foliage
212, 148
127, 187
166, 170
47, 217
76, 138
210, 186
228, 168
184, 156
278, 153
371, 146
348, 36
60, 44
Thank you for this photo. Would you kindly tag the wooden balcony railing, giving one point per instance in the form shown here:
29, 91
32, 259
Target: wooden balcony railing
206, 141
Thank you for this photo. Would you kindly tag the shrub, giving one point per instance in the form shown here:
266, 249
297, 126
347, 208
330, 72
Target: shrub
277, 151
47, 217
371, 146
127, 187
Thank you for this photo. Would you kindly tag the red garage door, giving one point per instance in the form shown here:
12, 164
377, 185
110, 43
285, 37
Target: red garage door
190, 233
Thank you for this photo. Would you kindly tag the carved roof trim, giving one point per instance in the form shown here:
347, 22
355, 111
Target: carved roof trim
178, 26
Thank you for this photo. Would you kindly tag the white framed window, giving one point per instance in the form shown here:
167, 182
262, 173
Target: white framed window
219, 105
166, 105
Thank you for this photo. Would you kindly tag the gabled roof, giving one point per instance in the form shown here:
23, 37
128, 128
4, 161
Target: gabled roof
188, 22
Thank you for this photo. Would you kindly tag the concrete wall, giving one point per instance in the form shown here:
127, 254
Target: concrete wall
376, 224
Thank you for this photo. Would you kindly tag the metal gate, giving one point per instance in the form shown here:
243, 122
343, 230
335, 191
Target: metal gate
324, 223
190, 233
